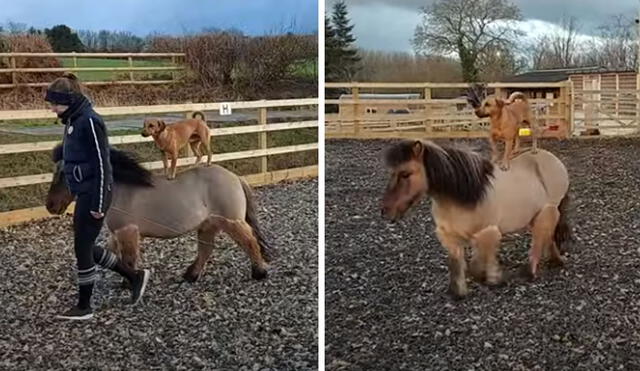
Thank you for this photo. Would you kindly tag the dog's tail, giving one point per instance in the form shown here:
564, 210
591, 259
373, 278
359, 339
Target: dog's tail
252, 219
563, 233
517, 95
198, 114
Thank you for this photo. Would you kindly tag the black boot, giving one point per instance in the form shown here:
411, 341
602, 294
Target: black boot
82, 311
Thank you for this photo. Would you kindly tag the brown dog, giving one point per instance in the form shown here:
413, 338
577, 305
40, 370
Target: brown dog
173, 137
506, 118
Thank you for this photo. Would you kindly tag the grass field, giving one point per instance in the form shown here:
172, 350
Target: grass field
39, 162
305, 69
112, 62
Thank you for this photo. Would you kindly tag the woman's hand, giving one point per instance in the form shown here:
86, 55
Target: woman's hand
97, 215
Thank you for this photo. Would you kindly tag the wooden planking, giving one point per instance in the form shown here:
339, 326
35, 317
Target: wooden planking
105, 82
91, 69
164, 108
423, 85
13, 217
92, 55
124, 139
45, 178
420, 101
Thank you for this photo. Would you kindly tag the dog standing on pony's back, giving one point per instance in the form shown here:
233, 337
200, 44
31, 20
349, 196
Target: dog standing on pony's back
506, 117
171, 138
473, 204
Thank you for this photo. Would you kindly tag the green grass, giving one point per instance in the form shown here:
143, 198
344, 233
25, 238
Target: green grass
39, 162
305, 69
112, 62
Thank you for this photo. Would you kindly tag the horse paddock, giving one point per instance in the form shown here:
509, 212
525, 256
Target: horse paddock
387, 305
225, 320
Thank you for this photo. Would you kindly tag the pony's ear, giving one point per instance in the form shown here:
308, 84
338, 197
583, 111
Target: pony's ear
417, 149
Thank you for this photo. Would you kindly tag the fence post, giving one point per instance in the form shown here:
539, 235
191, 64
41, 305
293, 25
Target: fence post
572, 111
187, 149
13, 73
262, 120
131, 66
355, 93
75, 61
617, 96
173, 64
427, 98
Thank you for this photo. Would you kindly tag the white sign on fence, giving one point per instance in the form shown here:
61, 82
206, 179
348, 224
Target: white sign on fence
225, 109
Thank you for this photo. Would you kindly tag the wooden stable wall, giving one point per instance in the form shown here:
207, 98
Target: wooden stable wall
10, 58
264, 177
437, 113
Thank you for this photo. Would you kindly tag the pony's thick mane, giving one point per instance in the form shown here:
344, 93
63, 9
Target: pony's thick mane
454, 173
126, 169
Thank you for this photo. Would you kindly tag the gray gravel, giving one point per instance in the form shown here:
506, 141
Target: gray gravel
224, 321
386, 301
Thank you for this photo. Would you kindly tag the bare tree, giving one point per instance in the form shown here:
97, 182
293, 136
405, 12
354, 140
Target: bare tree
540, 52
564, 43
467, 28
617, 45
559, 49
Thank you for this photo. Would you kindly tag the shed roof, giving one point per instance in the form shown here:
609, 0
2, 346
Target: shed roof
561, 74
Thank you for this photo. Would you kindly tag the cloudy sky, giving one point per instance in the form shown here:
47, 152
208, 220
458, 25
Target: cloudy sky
166, 16
389, 24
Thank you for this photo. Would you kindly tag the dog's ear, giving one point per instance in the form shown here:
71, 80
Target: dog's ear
161, 125
500, 103
417, 149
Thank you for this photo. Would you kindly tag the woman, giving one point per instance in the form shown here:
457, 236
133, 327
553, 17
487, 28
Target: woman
87, 170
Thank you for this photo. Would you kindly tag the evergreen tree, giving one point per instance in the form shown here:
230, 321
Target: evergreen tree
63, 39
331, 52
347, 56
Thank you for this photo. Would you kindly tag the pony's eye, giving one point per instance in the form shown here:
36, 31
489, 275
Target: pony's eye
405, 175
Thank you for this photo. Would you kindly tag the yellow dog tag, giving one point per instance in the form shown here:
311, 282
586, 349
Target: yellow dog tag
525, 131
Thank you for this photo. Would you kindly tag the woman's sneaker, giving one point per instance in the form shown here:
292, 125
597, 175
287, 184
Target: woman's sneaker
139, 285
76, 314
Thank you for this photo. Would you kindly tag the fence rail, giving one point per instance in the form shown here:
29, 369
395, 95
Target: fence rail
376, 110
171, 58
264, 177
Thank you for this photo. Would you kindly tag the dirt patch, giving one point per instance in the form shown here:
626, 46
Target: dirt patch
224, 321
386, 300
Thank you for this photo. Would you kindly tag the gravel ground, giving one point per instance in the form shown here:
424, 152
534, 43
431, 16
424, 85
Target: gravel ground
386, 301
224, 321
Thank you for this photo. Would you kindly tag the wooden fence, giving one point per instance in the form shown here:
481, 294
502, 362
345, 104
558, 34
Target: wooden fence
263, 177
609, 111
171, 59
377, 110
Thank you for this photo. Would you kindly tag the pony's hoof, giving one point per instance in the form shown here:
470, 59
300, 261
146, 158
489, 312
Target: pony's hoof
495, 280
476, 271
525, 271
125, 284
258, 273
190, 275
557, 263
458, 293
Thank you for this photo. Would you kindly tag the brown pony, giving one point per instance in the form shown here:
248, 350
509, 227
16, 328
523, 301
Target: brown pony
474, 203
208, 200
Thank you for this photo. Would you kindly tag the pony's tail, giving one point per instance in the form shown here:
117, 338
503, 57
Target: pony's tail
198, 115
517, 95
563, 232
251, 218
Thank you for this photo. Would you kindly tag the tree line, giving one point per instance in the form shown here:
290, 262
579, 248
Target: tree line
482, 39
64, 39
